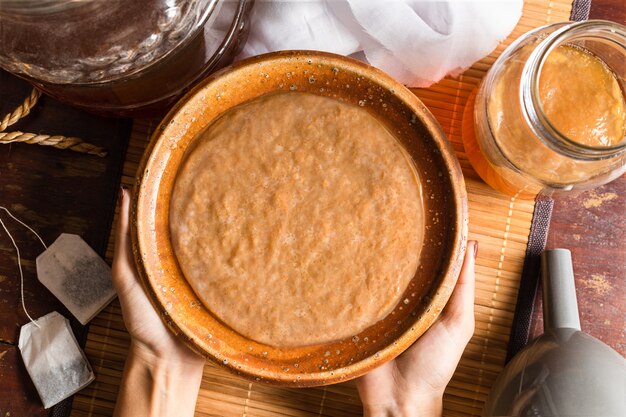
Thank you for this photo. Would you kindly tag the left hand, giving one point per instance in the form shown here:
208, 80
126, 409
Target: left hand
162, 376
147, 330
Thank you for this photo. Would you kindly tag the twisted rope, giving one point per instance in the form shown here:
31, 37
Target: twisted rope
22, 110
59, 142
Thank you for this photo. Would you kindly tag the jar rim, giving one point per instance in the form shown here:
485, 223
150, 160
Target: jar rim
532, 108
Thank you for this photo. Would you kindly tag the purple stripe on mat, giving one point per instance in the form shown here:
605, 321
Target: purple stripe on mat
580, 10
530, 277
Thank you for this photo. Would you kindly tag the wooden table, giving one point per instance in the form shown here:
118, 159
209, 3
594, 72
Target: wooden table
592, 225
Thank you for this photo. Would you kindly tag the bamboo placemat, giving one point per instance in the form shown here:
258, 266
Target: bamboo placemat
500, 224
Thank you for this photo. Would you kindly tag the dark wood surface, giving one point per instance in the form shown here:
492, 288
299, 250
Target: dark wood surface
58, 191
593, 227
53, 191
614, 10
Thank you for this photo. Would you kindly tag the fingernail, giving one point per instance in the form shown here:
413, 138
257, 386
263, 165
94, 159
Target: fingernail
475, 249
121, 194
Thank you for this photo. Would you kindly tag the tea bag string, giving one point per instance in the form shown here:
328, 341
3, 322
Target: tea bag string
56, 141
25, 225
19, 258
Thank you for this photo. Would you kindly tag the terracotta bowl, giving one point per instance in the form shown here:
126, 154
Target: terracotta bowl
445, 204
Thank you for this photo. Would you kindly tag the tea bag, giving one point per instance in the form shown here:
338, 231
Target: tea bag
53, 359
77, 276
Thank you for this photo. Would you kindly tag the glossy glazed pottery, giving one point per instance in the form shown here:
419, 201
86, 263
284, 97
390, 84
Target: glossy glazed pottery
445, 212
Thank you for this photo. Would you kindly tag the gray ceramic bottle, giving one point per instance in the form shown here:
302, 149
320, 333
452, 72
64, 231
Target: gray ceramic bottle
564, 372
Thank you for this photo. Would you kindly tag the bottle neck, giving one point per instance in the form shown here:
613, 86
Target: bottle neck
560, 307
606, 34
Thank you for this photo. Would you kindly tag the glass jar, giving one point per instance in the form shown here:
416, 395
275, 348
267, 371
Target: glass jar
547, 120
121, 57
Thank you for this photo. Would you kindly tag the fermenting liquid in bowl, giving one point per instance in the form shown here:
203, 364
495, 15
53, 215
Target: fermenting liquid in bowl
297, 219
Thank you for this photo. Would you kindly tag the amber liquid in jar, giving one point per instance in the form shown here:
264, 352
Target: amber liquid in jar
581, 98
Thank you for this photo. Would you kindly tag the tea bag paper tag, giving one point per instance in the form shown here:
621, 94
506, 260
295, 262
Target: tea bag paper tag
77, 276
53, 358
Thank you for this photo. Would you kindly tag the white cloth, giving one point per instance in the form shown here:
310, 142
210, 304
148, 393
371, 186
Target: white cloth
416, 41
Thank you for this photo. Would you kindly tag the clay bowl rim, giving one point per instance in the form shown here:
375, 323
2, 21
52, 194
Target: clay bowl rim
140, 230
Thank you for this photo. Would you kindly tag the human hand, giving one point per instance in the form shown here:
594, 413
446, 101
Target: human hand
162, 375
143, 323
414, 382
